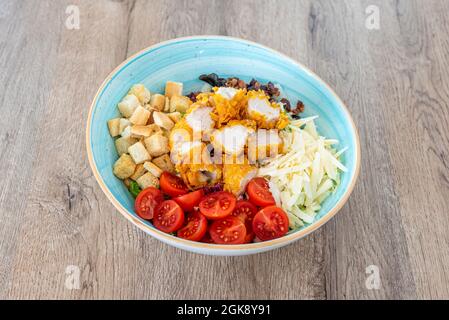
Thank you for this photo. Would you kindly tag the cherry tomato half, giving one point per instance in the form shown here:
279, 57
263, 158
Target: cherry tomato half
217, 205
270, 223
189, 200
146, 202
172, 185
229, 230
245, 211
259, 193
196, 227
168, 217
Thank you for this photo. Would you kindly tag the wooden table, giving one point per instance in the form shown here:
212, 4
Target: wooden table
55, 220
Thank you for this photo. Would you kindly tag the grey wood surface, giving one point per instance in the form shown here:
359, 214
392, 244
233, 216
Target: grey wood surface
395, 81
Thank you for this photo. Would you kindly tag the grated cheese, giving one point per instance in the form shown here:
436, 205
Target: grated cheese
301, 179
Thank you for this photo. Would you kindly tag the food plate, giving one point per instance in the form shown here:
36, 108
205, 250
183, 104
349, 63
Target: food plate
183, 60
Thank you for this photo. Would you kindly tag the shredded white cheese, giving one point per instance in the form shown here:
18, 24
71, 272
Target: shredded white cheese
306, 175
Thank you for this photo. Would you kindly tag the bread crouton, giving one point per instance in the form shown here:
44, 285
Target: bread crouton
162, 120
114, 127
122, 144
140, 171
157, 145
157, 102
173, 89
126, 133
179, 103
155, 128
142, 93
141, 131
148, 180
164, 163
153, 169
124, 167
167, 105
174, 116
140, 116
138, 153
128, 105
123, 124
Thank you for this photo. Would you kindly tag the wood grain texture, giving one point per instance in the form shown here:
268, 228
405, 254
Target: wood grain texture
395, 82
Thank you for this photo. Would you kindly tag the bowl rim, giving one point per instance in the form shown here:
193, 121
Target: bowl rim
259, 246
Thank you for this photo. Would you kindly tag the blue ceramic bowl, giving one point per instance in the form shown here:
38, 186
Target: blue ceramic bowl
184, 60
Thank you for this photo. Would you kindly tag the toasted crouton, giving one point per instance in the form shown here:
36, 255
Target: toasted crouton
122, 144
123, 124
148, 180
179, 103
140, 171
155, 128
150, 119
157, 102
114, 127
174, 116
167, 105
173, 89
128, 105
140, 116
141, 131
165, 133
153, 169
164, 163
139, 153
126, 133
142, 93
162, 120
157, 145
124, 167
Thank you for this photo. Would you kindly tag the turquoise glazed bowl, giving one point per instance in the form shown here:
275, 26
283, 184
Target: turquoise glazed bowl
183, 60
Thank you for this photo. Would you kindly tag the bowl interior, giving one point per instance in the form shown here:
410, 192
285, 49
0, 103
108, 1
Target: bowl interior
184, 60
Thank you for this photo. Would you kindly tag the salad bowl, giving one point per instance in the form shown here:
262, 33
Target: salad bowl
182, 60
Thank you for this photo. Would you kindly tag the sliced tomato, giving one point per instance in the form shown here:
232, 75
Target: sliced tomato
245, 211
168, 217
259, 193
195, 228
270, 223
189, 200
172, 185
147, 201
217, 205
229, 230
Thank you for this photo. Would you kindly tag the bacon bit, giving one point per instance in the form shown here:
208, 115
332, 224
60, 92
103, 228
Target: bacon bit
192, 95
271, 90
254, 85
287, 105
232, 82
241, 84
235, 83
299, 107
294, 112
